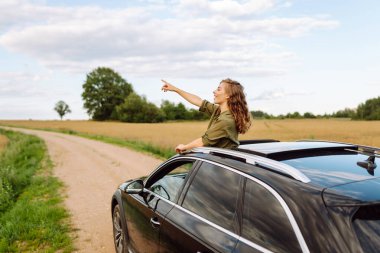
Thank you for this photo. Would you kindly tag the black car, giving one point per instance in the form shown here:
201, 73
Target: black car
264, 196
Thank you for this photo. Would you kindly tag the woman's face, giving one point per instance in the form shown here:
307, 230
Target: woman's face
220, 95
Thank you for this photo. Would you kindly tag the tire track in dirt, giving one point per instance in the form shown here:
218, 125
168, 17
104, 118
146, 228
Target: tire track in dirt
91, 171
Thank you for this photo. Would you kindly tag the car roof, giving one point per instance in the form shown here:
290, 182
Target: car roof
321, 163
326, 164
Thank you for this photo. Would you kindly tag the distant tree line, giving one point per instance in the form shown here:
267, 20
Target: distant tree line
294, 115
107, 96
369, 110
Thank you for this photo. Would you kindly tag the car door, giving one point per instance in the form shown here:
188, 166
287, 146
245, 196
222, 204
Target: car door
206, 217
146, 211
143, 214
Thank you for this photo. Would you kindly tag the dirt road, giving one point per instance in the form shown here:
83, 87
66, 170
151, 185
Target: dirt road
91, 171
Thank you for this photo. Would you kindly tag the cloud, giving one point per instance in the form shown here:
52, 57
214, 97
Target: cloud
157, 39
224, 8
21, 13
278, 94
20, 84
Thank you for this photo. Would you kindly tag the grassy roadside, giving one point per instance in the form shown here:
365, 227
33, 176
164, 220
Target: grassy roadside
32, 217
140, 146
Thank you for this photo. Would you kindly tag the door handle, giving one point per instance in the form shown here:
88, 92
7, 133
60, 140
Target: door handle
155, 223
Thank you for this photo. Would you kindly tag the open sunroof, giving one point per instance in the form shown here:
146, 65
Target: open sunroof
281, 150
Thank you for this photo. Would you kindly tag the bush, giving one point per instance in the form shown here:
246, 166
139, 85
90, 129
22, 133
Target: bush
138, 109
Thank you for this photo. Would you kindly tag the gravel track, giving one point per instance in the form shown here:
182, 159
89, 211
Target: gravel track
91, 171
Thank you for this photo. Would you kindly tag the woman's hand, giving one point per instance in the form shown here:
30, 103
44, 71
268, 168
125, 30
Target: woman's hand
194, 144
195, 100
168, 87
180, 148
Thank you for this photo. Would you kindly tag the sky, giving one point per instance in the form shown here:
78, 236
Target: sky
316, 56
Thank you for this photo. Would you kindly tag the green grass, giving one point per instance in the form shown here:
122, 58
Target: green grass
139, 146
32, 217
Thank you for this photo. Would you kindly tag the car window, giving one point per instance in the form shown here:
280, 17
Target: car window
213, 194
172, 181
265, 221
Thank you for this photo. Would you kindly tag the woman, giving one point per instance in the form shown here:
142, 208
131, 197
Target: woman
229, 115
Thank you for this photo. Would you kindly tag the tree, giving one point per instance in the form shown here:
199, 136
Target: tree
62, 108
179, 112
197, 115
103, 91
137, 109
309, 115
261, 114
369, 110
345, 113
294, 115
168, 108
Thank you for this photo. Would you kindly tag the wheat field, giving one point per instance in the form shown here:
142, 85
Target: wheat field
168, 135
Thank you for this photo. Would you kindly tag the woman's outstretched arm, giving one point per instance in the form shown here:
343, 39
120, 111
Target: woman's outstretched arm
191, 98
194, 144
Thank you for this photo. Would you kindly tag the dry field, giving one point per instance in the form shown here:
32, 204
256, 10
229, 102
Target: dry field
170, 134
3, 142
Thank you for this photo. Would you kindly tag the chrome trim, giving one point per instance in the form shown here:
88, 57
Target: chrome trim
254, 245
195, 215
287, 210
161, 165
174, 158
258, 161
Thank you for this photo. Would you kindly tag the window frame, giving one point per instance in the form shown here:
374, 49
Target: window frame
237, 224
164, 169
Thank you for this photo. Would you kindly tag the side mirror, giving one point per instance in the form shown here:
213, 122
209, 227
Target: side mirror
134, 187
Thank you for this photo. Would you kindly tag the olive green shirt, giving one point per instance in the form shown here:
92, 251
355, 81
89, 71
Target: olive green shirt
221, 131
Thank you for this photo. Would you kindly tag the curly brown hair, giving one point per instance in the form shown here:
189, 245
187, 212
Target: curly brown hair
237, 104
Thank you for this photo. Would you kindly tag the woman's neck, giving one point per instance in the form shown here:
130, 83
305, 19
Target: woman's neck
223, 107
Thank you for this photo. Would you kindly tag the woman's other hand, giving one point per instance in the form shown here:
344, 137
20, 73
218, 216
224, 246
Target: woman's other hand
180, 148
168, 87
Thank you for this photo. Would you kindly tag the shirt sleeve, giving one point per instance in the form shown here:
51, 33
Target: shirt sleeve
215, 133
208, 107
